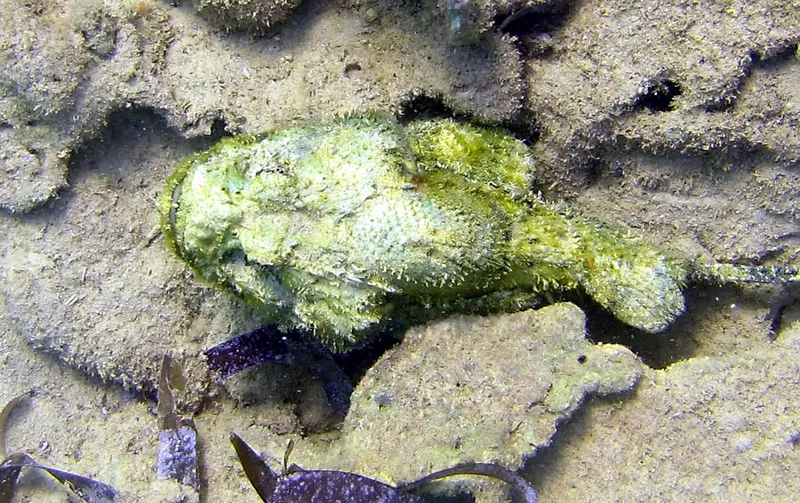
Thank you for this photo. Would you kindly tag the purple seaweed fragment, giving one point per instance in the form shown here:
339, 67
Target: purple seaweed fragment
11, 466
520, 485
177, 456
313, 486
297, 485
268, 343
8, 482
252, 348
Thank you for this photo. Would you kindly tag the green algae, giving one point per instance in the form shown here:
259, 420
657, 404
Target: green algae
341, 227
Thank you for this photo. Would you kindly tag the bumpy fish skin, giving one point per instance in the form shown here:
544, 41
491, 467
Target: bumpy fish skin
339, 227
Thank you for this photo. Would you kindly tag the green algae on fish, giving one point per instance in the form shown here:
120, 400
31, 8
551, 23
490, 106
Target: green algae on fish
340, 227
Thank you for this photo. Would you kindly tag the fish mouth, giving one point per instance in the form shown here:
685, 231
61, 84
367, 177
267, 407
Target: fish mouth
169, 205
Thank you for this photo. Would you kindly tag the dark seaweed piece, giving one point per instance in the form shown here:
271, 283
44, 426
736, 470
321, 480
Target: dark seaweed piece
297, 485
313, 486
268, 343
262, 344
177, 440
261, 476
337, 386
89, 490
8, 482
520, 485
177, 456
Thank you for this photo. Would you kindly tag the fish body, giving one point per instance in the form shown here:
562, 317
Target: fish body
340, 227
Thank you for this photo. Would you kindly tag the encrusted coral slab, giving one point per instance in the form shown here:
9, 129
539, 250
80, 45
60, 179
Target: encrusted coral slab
473, 389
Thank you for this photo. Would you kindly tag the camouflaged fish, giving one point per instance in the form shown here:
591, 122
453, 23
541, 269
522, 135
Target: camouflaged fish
341, 227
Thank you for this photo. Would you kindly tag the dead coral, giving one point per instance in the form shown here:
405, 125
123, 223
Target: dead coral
256, 16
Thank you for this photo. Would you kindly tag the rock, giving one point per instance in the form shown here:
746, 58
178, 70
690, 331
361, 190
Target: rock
255, 16
705, 429
58, 91
612, 62
473, 389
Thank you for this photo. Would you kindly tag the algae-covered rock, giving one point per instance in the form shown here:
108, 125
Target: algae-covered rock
612, 76
467, 20
256, 16
473, 389
706, 429
98, 57
78, 278
463, 22
65, 66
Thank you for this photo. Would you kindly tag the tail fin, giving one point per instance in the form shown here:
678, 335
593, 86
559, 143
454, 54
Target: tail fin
646, 296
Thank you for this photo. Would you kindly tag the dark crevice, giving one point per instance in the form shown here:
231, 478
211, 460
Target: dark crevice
777, 56
527, 129
356, 362
219, 130
423, 106
594, 170
603, 327
534, 27
677, 342
659, 96
123, 126
535, 21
